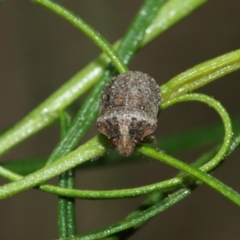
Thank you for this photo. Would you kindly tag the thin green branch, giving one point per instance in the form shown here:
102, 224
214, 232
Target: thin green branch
199, 174
66, 206
112, 194
137, 31
201, 75
95, 36
66, 192
225, 119
171, 13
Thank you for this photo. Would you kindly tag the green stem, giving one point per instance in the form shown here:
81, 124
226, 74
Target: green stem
199, 174
201, 75
135, 35
171, 13
96, 37
225, 119
66, 206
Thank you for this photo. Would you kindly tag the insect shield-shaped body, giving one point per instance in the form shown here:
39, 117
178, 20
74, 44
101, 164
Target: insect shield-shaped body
128, 110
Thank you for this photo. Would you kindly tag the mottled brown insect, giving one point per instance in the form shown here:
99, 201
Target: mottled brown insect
128, 110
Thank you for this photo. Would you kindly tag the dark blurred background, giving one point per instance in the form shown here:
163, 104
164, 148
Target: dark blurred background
39, 52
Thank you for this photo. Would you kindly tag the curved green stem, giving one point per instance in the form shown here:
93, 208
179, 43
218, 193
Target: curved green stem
96, 37
225, 119
66, 192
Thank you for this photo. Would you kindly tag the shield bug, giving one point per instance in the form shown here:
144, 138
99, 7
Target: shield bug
128, 110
